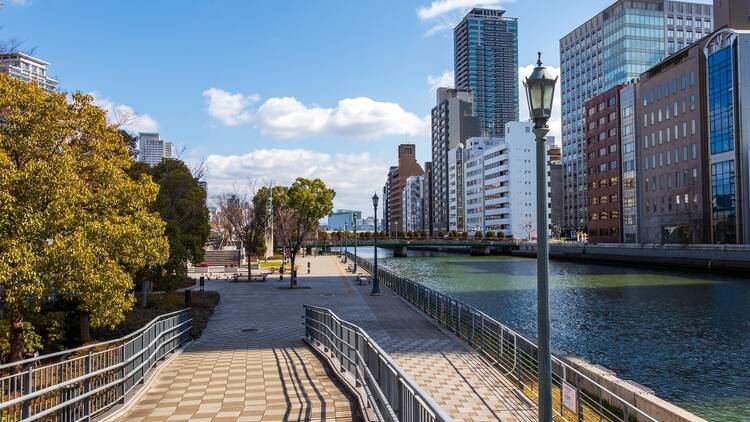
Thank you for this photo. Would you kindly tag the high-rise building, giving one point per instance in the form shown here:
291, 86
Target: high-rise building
500, 183
452, 123
456, 188
486, 63
630, 164
554, 155
152, 149
727, 140
411, 202
344, 220
427, 198
604, 163
611, 48
671, 151
28, 69
407, 166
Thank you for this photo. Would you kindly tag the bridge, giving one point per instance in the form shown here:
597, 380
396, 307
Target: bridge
477, 247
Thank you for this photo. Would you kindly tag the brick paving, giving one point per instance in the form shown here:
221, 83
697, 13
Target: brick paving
251, 364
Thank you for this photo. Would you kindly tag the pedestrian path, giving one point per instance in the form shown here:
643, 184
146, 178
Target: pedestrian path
252, 365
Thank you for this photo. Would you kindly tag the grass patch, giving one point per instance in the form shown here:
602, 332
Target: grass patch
270, 264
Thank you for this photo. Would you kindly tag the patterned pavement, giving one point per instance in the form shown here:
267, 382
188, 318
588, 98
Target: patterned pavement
252, 365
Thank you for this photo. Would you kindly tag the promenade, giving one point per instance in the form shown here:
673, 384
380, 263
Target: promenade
251, 363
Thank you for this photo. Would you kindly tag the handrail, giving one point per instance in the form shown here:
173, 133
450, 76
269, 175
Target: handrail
388, 392
512, 353
93, 381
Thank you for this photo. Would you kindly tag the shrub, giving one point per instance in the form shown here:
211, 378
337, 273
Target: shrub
441, 233
478, 235
490, 234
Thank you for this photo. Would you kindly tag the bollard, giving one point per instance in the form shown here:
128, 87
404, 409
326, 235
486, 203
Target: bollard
281, 273
308, 267
188, 298
203, 283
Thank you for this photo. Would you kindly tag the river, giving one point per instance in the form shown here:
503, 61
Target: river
684, 334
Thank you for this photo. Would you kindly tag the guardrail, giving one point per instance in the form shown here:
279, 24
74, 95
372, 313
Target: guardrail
385, 392
81, 383
576, 397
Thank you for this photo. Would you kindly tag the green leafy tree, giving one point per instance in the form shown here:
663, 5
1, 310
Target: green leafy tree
297, 209
490, 234
181, 203
478, 234
72, 220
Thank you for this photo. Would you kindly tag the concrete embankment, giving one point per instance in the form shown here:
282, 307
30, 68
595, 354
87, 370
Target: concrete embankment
733, 258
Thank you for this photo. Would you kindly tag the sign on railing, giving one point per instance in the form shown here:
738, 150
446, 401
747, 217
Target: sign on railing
386, 393
576, 397
80, 383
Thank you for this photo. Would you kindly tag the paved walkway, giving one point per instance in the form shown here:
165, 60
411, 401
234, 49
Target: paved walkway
251, 364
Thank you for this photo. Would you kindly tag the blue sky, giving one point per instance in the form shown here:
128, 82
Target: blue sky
273, 90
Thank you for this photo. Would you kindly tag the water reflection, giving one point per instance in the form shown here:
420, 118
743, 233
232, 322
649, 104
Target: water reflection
684, 334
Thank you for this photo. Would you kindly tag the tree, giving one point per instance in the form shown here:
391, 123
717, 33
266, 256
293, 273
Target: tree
441, 233
130, 143
478, 234
490, 234
72, 221
182, 205
296, 212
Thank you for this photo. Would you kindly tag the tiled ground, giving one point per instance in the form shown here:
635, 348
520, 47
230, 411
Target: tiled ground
268, 373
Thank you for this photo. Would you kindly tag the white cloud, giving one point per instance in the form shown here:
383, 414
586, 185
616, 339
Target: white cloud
287, 117
228, 108
354, 177
443, 80
125, 117
20, 2
359, 117
445, 14
555, 121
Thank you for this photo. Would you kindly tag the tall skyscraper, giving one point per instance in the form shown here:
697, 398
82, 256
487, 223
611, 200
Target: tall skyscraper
452, 124
28, 69
486, 62
152, 149
613, 47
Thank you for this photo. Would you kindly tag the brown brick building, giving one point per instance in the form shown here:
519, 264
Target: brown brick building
407, 166
671, 151
603, 144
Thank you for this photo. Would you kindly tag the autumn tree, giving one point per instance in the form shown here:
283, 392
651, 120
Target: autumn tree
297, 210
73, 223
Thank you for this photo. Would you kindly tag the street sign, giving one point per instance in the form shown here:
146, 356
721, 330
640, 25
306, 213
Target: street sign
569, 397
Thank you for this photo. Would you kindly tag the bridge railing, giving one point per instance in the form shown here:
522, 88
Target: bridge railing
576, 397
81, 383
386, 392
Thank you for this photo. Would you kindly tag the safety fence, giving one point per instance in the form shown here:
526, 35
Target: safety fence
79, 384
385, 392
576, 397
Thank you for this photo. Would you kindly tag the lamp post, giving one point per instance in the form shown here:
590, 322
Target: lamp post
540, 91
346, 239
375, 282
354, 270
338, 240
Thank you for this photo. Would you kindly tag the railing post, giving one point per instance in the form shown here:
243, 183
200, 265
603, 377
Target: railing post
122, 375
87, 387
26, 389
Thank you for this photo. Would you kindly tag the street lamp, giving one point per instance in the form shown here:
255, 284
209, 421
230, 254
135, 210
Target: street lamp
355, 245
346, 239
375, 282
540, 91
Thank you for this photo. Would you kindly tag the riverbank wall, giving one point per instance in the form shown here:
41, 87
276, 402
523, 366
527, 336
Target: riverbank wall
731, 258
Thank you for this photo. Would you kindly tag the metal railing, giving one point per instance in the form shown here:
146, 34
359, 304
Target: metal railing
576, 397
385, 392
81, 383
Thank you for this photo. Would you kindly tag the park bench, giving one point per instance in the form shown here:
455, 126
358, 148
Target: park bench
254, 277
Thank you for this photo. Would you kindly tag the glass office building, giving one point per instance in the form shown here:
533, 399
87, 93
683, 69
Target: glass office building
486, 62
611, 48
727, 75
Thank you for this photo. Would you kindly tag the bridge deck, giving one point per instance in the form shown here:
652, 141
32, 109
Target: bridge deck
231, 372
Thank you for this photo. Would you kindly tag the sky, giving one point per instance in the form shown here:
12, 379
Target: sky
267, 91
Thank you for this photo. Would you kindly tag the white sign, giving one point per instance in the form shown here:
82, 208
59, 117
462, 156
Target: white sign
569, 397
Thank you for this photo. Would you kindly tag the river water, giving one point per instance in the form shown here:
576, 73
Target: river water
684, 334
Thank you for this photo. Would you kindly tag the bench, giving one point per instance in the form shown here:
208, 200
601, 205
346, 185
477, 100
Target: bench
254, 277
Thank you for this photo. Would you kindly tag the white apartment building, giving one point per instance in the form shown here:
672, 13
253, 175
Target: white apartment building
28, 69
500, 183
412, 201
456, 189
152, 149
473, 188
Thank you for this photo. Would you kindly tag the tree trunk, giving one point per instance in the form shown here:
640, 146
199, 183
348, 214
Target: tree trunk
85, 324
16, 340
249, 264
144, 293
292, 276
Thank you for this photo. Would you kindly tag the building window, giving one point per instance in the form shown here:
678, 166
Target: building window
721, 103
723, 202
